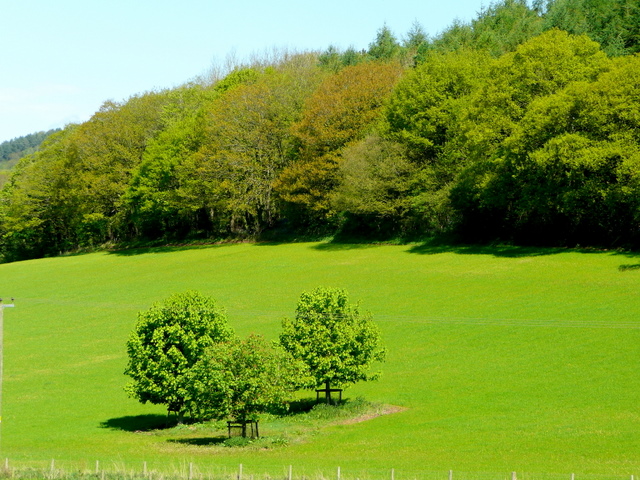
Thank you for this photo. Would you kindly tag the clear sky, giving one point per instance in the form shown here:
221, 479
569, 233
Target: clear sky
61, 59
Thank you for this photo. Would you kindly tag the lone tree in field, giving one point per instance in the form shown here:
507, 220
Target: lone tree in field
168, 340
239, 379
336, 342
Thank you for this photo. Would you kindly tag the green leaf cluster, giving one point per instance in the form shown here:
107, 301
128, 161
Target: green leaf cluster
183, 354
168, 341
333, 338
241, 378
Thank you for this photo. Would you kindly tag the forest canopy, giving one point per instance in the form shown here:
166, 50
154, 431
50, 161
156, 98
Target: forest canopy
521, 125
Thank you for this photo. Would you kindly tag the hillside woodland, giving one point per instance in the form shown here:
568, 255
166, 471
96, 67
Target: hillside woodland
520, 126
13, 150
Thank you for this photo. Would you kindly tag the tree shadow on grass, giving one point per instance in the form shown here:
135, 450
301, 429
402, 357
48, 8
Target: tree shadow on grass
199, 441
304, 406
629, 268
138, 423
295, 407
340, 246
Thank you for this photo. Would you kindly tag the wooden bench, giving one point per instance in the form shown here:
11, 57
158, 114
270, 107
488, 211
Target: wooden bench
327, 393
242, 426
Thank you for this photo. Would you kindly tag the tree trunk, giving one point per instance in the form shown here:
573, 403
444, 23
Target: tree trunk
328, 386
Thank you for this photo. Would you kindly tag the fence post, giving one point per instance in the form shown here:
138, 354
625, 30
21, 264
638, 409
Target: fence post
144, 468
240, 472
573, 476
291, 471
53, 466
190, 470
393, 474
513, 476
97, 467
338, 473
450, 474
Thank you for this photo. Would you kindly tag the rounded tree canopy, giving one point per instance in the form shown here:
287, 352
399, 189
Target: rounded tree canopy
167, 342
241, 378
332, 337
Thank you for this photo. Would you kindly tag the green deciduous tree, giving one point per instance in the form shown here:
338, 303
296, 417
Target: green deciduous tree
161, 199
333, 338
422, 110
538, 67
423, 116
68, 194
239, 379
568, 173
340, 111
40, 209
168, 340
249, 142
376, 182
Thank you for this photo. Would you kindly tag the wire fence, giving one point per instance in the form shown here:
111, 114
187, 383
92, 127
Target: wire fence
55, 470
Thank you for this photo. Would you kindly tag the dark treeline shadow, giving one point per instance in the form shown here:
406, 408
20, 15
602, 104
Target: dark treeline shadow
436, 246
171, 248
507, 251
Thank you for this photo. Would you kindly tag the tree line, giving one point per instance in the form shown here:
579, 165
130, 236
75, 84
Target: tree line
517, 126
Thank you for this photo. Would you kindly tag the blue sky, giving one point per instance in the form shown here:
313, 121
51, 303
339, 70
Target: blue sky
60, 60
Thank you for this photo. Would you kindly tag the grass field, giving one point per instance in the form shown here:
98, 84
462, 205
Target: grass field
504, 358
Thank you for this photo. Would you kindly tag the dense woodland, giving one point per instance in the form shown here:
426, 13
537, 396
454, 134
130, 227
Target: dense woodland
520, 126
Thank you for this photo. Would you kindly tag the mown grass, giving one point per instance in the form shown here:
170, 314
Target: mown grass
504, 358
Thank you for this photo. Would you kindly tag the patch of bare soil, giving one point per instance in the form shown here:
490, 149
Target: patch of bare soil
384, 410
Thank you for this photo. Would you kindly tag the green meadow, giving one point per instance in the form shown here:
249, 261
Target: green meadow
503, 358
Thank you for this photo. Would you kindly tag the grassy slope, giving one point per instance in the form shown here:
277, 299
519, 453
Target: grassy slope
507, 359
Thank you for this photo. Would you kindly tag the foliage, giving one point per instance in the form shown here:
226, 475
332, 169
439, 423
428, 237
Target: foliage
340, 110
385, 46
249, 142
614, 24
160, 199
569, 173
40, 211
422, 109
67, 194
460, 114
168, 341
13, 150
281, 145
376, 181
498, 29
238, 379
334, 59
336, 342
423, 117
